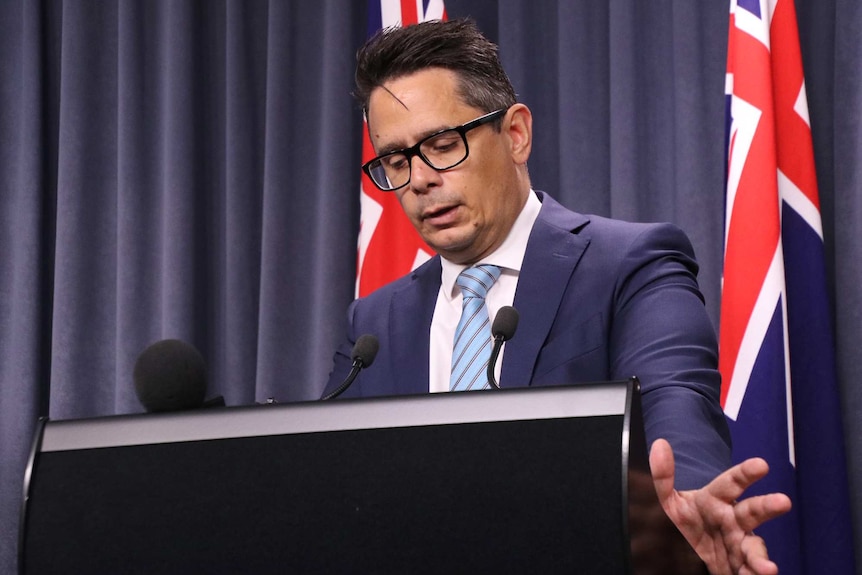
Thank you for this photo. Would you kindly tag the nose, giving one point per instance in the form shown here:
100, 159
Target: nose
422, 176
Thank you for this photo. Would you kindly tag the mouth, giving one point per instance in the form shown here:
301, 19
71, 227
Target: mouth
439, 214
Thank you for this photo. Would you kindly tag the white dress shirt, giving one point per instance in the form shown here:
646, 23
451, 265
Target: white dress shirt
447, 312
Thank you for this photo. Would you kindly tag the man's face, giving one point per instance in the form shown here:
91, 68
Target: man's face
466, 212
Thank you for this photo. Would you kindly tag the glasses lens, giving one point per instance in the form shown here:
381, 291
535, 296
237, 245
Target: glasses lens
390, 172
440, 151
444, 150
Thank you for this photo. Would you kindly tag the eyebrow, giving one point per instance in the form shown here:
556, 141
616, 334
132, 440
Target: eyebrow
399, 145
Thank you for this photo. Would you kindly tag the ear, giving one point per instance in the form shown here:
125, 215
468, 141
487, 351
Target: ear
518, 124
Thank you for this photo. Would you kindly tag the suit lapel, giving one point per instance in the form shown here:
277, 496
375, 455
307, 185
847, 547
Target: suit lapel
552, 253
412, 309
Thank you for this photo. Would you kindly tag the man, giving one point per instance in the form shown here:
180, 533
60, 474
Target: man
599, 299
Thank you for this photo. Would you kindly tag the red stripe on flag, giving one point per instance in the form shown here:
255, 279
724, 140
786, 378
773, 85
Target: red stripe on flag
409, 14
754, 230
794, 160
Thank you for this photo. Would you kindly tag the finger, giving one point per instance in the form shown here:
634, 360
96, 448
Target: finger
732, 483
662, 468
754, 511
755, 557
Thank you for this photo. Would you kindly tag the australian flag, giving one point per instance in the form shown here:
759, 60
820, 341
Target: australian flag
777, 356
389, 246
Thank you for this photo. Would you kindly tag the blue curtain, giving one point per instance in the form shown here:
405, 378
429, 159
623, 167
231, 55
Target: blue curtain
189, 169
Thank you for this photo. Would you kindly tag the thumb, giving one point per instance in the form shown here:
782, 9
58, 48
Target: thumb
662, 468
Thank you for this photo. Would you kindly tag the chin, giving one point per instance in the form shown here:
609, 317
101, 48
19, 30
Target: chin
450, 244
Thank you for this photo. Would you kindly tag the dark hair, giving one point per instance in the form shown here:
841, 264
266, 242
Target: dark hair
456, 45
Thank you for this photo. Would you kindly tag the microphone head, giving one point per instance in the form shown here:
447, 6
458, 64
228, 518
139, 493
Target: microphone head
365, 349
170, 375
505, 323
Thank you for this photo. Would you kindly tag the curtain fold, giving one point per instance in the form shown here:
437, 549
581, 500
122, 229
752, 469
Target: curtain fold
189, 169
838, 146
26, 253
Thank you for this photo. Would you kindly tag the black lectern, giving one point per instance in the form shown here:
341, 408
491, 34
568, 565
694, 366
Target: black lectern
512, 481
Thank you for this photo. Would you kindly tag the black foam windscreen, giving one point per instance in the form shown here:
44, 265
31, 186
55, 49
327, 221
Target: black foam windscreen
505, 323
170, 375
365, 349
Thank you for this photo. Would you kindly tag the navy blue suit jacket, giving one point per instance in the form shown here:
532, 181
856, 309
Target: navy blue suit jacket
599, 299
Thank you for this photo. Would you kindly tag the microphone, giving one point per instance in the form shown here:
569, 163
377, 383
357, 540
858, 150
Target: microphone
363, 354
503, 328
170, 375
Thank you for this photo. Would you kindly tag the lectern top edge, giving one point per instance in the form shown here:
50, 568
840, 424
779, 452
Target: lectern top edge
583, 400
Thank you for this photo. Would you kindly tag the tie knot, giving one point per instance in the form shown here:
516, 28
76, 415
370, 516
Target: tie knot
476, 281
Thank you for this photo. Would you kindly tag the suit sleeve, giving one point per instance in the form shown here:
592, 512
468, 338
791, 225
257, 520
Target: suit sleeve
662, 334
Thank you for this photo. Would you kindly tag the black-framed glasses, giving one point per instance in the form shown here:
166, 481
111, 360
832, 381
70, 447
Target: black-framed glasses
441, 150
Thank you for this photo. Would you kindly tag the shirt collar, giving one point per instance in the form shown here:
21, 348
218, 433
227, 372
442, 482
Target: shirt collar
509, 256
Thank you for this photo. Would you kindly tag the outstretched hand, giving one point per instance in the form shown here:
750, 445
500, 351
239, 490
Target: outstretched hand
714, 523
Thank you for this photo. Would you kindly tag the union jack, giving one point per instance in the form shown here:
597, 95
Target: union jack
389, 246
777, 356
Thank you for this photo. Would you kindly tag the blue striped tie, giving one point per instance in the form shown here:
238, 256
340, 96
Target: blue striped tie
472, 348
